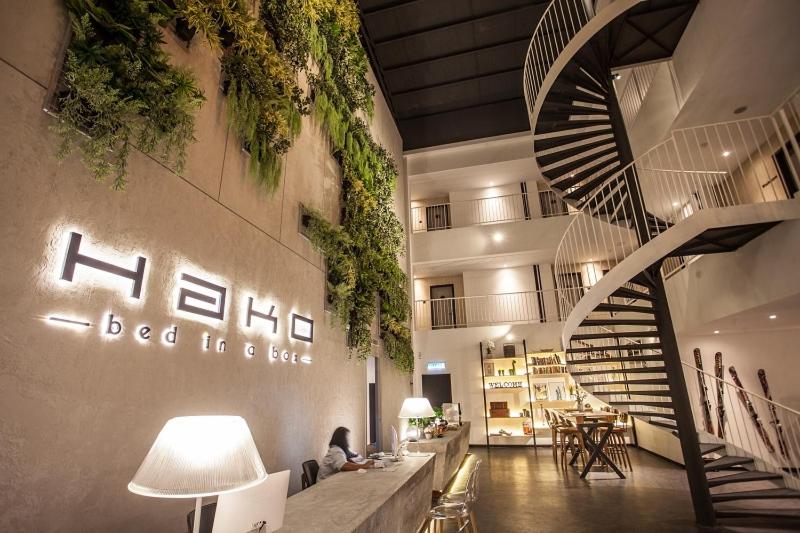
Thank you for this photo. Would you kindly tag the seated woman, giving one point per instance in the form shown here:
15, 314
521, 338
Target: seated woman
339, 456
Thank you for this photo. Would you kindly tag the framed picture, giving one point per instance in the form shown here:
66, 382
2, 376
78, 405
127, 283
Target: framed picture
540, 392
488, 369
557, 390
509, 350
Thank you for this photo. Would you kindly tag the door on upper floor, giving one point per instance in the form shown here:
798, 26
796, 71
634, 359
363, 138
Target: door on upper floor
443, 306
437, 217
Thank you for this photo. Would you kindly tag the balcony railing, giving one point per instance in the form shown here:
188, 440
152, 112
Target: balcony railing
471, 311
483, 211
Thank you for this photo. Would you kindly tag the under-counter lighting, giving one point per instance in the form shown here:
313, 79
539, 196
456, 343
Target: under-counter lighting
498, 237
773, 317
726, 153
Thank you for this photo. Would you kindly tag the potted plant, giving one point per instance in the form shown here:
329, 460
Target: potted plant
489, 347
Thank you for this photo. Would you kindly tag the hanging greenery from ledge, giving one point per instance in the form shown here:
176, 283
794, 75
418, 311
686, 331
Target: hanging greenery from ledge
371, 238
119, 90
264, 102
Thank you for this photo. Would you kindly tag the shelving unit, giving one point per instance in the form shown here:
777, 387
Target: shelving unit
526, 384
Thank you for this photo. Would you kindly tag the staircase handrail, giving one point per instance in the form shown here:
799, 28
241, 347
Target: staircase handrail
677, 178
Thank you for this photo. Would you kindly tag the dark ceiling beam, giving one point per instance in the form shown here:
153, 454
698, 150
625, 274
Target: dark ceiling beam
460, 108
480, 48
457, 81
388, 6
456, 22
649, 36
376, 67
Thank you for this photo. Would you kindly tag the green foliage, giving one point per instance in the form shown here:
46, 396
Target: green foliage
328, 30
264, 102
120, 90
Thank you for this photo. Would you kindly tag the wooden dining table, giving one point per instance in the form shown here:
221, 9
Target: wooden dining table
589, 423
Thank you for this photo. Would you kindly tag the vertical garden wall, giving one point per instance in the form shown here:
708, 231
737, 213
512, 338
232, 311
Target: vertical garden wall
119, 90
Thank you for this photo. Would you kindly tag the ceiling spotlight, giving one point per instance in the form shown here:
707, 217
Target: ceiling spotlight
505, 265
716, 332
726, 153
509, 337
616, 76
675, 204
497, 237
491, 184
773, 317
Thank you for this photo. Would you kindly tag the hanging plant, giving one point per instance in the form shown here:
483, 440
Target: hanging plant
264, 102
328, 32
118, 89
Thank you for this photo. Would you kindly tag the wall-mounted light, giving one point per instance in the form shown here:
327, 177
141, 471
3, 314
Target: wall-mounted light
498, 237
716, 332
510, 337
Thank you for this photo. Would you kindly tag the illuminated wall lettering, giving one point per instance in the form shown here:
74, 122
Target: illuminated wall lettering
74, 258
195, 296
218, 302
258, 314
302, 328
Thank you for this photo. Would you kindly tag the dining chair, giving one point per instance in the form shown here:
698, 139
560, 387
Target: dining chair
460, 509
569, 440
618, 435
553, 424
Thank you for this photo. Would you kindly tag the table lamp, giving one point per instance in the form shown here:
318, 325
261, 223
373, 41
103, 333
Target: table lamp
416, 408
197, 456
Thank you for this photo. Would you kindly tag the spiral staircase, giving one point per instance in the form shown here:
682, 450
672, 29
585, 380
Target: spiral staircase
698, 192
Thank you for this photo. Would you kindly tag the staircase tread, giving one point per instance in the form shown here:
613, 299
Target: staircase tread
654, 381
620, 347
625, 308
634, 393
618, 322
638, 370
727, 462
632, 359
758, 513
548, 159
780, 492
742, 477
625, 292
615, 335
709, 447
568, 166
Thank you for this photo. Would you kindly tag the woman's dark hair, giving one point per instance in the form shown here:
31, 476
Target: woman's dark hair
339, 439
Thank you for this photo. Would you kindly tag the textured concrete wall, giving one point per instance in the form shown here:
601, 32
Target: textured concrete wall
80, 409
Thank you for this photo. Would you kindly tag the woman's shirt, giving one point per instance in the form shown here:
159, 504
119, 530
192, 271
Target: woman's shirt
333, 461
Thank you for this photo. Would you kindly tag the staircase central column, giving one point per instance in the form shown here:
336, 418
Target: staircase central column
687, 434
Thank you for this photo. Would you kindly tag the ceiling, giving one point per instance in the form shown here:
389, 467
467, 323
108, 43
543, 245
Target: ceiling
451, 71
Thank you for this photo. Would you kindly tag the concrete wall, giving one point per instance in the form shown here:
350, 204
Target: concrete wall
81, 409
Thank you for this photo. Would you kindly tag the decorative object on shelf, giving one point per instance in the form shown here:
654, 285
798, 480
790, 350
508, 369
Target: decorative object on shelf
751, 409
505, 433
488, 369
489, 343
118, 89
509, 350
546, 364
527, 428
514, 368
498, 409
507, 385
197, 456
773, 413
719, 373
416, 409
556, 390
705, 402
540, 392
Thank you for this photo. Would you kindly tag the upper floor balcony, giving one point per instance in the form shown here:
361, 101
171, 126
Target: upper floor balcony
524, 226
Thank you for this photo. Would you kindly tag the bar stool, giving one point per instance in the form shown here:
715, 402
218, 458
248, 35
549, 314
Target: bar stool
459, 507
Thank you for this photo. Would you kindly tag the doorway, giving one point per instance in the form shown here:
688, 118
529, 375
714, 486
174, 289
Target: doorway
437, 217
443, 306
784, 171
373, 422
437, 389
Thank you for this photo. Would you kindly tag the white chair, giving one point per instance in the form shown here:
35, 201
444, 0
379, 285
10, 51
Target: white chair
458, 507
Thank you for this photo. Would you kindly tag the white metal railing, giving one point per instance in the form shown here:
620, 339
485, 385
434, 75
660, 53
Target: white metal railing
559, 23
775, 446
637, 85
714, 166
484, 211
470, 311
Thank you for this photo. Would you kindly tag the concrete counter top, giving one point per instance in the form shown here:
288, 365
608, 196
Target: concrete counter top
450, 450
386, 500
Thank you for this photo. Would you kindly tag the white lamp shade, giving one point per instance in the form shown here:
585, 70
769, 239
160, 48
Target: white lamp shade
416, 408
197, 456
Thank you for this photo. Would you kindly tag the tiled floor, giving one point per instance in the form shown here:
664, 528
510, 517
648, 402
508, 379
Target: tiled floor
523, 489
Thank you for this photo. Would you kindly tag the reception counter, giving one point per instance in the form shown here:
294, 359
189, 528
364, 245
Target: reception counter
450, 450
391, 500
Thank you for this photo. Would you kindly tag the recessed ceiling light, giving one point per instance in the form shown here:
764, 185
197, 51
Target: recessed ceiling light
716, 332
498, 237
509, 337
505, 265
739, 110
616, 76
491, 184
773, 317
726, 153
675, 204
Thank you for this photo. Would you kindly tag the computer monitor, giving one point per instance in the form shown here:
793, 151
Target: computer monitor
244, 510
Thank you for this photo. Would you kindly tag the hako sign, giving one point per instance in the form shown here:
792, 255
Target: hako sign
196, 298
